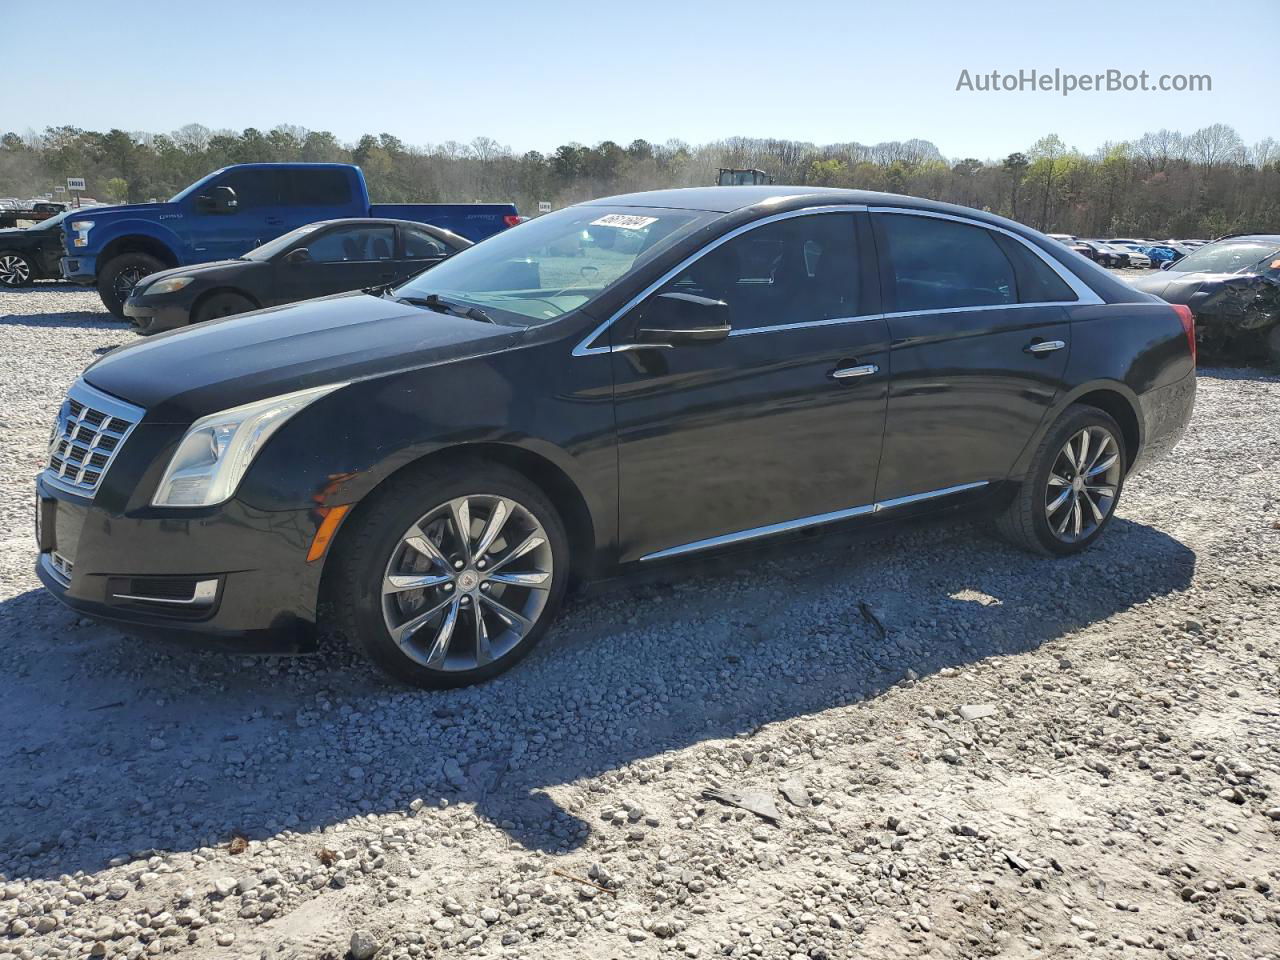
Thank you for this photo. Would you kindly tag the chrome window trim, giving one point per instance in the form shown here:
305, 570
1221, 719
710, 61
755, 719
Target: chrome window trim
584, 349
802, 523
1084, 292
114, 408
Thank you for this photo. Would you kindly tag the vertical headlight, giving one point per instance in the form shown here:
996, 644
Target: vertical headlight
82, 227
217, 450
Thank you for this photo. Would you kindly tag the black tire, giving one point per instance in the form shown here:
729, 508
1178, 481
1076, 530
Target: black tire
1026, 521
225, 304
1273, 344
118, 276
16, 269
373, 537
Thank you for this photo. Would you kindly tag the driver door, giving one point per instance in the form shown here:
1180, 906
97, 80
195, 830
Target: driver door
777, 426
342, 258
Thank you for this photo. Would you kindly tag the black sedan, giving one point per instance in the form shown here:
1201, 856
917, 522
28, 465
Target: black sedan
31, 253
1233, 288
332, 256
602, 390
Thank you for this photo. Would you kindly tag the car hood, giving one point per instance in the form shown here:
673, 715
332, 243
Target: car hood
120, 211
195, 270
185, 374
1180, 287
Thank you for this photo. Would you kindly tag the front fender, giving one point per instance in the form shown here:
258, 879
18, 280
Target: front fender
341, 448
103, 235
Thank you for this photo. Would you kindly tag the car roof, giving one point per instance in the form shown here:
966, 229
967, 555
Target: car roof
1251, 238
779, 198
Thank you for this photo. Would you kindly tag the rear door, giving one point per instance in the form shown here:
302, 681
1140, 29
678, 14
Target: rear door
344, 257
775, 428
419, 249
980, 339
311, 194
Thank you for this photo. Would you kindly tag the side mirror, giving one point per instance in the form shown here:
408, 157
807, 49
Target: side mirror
1166, 265
218, 200
295, 257
672, 319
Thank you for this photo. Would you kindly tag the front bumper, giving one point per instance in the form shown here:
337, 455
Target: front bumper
81, 268
231, 577
149, 318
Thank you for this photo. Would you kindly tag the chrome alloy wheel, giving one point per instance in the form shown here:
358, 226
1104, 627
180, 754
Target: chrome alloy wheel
1083, 483
467, 582
14, 271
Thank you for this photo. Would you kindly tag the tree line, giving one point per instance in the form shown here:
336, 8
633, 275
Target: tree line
1162, 184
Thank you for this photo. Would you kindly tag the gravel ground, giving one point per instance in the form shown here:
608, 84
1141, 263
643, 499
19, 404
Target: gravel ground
1032, 758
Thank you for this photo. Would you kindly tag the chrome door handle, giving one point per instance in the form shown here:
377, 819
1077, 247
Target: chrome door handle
862, 370
1045, 346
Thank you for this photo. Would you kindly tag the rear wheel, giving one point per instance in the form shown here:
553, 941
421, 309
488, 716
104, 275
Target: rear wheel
1273, 344
118, 277
221, 305
15, 269
1071, 492
452, 575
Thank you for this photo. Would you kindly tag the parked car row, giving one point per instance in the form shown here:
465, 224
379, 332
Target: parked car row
434, 461
1129, 252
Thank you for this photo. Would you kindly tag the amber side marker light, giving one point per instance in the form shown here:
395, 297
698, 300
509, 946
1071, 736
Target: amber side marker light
324, 533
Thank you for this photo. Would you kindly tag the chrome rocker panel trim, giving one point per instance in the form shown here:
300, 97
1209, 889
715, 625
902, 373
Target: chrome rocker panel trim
804, 522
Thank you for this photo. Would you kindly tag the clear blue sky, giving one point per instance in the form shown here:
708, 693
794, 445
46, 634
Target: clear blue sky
533, 75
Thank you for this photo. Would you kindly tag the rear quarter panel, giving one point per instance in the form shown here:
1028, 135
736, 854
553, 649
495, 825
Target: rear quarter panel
1139, 351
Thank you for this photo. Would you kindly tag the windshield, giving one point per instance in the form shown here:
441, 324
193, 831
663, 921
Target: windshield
269, 249
556, 263
187, 191
1227, 257
56, 219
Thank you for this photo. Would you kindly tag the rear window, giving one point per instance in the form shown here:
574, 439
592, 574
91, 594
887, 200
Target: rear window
942, 264
1037, 281
317, 188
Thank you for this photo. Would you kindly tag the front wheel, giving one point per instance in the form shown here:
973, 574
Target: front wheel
452, 574
15, 269
120, 275
221, 305
1070, 494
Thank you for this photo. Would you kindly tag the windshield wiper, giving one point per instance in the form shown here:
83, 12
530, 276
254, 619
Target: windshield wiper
433, 301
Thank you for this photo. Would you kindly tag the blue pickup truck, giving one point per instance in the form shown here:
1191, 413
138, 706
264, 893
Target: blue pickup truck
233, 210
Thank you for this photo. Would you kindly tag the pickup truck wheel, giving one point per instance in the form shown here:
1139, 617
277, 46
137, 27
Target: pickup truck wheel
452, 574
15, 269
116, 280
221, 305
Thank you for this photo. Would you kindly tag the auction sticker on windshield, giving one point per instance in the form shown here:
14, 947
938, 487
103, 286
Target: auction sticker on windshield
623, 220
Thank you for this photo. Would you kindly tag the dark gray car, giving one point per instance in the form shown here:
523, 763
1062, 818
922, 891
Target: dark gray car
1233, 288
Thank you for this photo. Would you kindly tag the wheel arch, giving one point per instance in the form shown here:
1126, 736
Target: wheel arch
139, 243
206, 295
548, 476
1110, 396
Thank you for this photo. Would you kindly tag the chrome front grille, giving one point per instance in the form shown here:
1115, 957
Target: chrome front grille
91, 428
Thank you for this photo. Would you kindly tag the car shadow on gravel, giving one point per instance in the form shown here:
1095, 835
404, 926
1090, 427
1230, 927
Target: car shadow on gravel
115, 746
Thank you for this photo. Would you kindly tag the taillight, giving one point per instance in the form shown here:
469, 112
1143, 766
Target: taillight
511, 220
1188, 326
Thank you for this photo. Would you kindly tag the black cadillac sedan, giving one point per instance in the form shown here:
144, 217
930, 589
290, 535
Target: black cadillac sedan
601, 390
331, 256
